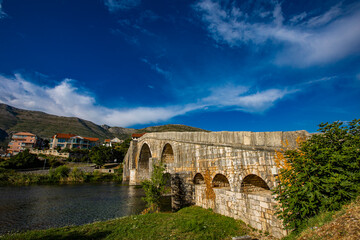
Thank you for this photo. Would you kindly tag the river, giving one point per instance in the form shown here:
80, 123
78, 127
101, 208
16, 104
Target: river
44, 206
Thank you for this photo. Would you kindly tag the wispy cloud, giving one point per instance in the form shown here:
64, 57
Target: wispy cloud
158, 69
2, 13
243, 99
304, 39
116, 5
66, 99
325, 18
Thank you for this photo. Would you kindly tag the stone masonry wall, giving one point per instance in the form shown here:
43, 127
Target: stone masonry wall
256, 210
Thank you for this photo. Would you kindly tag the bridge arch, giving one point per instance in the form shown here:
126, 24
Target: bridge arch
167, 155
198, 179
143, 165
220, 181
254, 184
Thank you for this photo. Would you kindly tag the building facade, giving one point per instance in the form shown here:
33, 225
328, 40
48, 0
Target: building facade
64, 140
112, 142
21, 141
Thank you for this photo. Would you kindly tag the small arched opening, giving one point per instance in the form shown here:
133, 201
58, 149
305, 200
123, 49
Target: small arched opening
254, 184
220, 181
167, 155
199, 179
167, 181
144, 161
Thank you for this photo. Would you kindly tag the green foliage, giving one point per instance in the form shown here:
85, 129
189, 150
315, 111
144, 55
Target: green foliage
102, 154
154, 188
76, 175
59, 173
122, 149
22, 160
323, 175
62, 174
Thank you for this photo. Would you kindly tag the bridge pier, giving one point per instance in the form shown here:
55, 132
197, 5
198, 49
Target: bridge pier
181, 190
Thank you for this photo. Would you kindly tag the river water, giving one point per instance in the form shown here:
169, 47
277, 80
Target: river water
45, 206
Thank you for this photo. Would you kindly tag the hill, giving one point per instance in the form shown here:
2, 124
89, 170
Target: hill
46, 125
340, 225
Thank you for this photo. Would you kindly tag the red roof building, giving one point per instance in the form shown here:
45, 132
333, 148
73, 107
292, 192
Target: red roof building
21, 141
70, 141
137, 135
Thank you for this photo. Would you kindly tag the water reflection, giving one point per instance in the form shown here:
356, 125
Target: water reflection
38, 207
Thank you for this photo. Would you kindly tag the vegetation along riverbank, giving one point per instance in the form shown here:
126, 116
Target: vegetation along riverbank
59, 175
18, 170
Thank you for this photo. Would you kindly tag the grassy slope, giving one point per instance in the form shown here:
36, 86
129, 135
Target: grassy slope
46, 125
340, 225
188, 223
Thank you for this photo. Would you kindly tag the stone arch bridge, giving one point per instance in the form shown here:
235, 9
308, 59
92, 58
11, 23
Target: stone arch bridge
230, 172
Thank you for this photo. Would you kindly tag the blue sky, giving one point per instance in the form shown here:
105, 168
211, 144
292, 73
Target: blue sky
217, 65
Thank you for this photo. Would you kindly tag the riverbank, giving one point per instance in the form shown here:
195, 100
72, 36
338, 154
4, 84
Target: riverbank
188, 223
59, 175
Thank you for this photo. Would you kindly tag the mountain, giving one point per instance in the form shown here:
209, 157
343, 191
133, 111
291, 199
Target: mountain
46, 125
171, 128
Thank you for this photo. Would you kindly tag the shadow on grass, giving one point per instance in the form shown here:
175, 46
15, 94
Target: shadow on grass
75, 235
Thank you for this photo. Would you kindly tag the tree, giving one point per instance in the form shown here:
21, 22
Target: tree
22, 160
154, 188
322, 174
122, 149
102, 154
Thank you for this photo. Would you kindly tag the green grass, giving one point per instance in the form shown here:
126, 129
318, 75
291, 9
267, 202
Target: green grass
188, 223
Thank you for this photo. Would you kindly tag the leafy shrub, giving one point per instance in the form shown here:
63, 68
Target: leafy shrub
76, 175
59, 173
154, 188
323, 174
22, 160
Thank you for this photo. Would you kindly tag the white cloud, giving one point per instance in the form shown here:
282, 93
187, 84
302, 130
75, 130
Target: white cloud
322, 39
2, 13
65, 99
242, 98
116, 5
325, 18
298, 18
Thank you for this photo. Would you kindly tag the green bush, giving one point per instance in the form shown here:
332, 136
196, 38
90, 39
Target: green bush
154, 188
22, 160
323, 174
76, 175
59, 173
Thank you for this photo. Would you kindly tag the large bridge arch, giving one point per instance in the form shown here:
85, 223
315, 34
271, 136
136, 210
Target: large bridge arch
167, 154
144, 161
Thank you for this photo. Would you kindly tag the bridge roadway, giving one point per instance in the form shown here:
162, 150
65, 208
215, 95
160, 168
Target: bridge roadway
230, 172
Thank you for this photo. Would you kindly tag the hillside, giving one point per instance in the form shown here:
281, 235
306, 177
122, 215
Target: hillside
341, 225
46, 125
